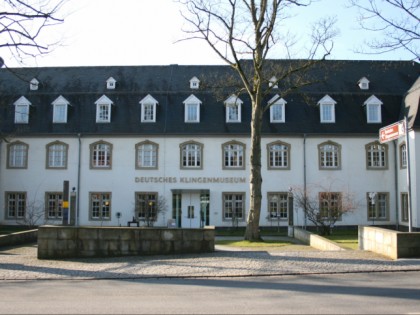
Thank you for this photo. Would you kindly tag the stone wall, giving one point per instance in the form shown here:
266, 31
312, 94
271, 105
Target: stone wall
315, 240
389, 243
18, 238
55, 242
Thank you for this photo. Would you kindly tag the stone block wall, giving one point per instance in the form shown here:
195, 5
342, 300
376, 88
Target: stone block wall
56, 242
389, 243
315, 240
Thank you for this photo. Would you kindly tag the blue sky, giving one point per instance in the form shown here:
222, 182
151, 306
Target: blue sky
144, 32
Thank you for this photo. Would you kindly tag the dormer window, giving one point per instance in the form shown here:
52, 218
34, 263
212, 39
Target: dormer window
194, 83
363, 83
327, 109
22, 110
233, 108
373, 110
192, 109
34, 84
60, 107
103, 109
277, 109
273, 83
148, 109
111, 83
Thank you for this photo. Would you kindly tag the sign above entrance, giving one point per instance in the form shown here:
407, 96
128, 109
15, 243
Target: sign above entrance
192, 180
392, 132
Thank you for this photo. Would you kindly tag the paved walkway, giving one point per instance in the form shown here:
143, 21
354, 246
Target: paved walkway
21, 263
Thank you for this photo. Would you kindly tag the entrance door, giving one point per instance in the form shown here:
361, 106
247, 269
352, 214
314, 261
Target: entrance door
190, 210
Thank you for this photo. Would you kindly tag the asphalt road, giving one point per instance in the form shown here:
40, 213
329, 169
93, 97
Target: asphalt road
348, 293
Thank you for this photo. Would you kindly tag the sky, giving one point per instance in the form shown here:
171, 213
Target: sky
148, 32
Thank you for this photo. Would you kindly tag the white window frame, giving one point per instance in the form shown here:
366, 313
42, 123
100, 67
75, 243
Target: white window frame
277, 106
57, 153
329, 155
233, 109
148, 109
403, 155
16, 204
373, 110
376, 156
111, 83
103, 109
192, 109
101, 155
278, 154
147, 155
17, 155
60, 108
54, 205
22, 106
194, 83
191, 155
378, 206
278, 205
327, 109
233, 155
233, 206
100, 206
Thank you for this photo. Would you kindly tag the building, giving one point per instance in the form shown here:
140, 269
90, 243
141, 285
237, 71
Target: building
137, 140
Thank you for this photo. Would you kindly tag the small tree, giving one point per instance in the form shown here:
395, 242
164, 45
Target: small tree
323, 206
34, 215
148, 210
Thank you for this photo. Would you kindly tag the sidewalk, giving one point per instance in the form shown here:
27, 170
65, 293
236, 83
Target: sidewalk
21, 263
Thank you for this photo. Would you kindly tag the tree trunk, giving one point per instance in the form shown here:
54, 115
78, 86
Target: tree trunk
252, 232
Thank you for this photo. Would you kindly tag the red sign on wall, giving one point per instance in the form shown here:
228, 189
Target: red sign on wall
392, 132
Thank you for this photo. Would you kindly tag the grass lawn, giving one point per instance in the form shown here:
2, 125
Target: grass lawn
242, 243
346, 238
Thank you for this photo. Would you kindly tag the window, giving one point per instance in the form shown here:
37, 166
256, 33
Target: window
377, 205
277, 109
327, 109
191, 155
192, 109
146, 155
233, 109
272, 83
103, 110
100, 153
60, 106
330, 204
329, 155
373, 109
278, 155
148, 109
17, 156
404, 207
363, 83
233, 206
54, 205
22, 110
194, 83
278, 206
34, 84
146, 206
100, 205
376, 156
403, 155
16, 205
110, 83
233, 155
57, 155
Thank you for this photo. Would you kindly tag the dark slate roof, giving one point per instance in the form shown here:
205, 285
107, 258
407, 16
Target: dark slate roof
169, 85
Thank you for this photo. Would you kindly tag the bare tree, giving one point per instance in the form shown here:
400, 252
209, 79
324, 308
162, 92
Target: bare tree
149, 211
249, 29
396, 20
22, 24
34, 215
324, 205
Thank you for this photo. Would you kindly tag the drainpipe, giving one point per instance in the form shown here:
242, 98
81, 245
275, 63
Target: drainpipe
396, 182
78, 179
304, 177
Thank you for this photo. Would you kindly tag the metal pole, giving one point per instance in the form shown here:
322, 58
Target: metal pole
407, 143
